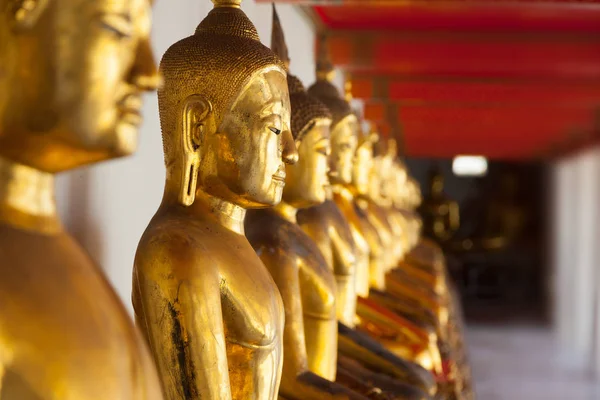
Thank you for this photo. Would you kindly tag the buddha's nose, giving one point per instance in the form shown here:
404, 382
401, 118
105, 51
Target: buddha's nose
144, 73
289, 153
332, 171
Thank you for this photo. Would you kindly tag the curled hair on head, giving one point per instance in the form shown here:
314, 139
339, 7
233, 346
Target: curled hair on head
306, 109
217, 62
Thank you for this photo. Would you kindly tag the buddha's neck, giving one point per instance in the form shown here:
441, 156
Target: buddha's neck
437, 192
226, 213
27, 198
287, 211
344, 191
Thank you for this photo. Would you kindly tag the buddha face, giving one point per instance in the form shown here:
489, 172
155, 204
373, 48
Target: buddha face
343, 148
363, 166
437, 183
400, 185
307, 181
255, 143
376, 180
78, 74
383, 179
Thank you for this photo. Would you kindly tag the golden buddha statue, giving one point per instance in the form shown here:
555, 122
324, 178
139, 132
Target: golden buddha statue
426, 266
327, 226
440, 213
366, 184
374, 197
407, 338
382, 184
502, 221
376, 190
211, 311
321, 220
306, 284
71, 79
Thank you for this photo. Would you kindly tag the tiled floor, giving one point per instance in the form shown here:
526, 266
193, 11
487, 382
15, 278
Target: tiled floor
520, 363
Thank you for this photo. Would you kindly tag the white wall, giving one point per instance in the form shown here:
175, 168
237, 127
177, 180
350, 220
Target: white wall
108, 206
576, 240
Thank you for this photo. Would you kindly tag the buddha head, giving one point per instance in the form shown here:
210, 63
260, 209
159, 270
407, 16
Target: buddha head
72, 76
344, 124
400, 189
307, 180
225, 113
362, 167
415, 197
380, 181
436, 182
386, 169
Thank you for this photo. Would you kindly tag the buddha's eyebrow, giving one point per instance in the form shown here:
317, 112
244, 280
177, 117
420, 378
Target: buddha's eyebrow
119, 22
270, 108
118, 13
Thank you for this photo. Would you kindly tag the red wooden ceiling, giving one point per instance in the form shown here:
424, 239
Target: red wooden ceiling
506, 79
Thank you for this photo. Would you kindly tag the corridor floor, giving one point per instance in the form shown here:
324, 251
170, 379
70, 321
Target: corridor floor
519, 363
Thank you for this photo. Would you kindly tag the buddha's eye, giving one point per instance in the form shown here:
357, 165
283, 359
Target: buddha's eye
324, 150
118, 24
275, 130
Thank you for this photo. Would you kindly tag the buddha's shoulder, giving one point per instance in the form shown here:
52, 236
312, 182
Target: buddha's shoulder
175, 240
267, 228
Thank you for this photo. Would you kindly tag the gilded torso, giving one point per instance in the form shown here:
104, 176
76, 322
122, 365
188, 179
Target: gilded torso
365, 237
300, 272
228, 278
327, 227
268, 231
63, 332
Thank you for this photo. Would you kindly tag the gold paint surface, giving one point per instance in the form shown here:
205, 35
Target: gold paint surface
440, 214
71, 80
303, 277
72, 77
209, 308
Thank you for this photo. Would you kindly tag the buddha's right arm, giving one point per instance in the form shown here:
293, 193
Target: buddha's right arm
179, 308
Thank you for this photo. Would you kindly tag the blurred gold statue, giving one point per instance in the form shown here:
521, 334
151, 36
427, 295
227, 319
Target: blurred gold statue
502, 222
404, 337
321, 220
440, 213
71, 79
211, 311
424, 264
295, 262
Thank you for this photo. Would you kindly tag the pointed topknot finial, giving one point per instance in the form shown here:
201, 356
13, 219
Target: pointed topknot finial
227, 3
278, 44
325, 69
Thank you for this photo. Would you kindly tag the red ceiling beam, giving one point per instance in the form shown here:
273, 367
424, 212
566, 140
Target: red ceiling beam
464, 15
466, 55
492, 131
549, 93
405, 3
554, 16
501, 78
483, 117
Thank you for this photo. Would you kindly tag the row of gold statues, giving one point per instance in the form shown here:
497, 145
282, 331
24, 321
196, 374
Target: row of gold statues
324, 290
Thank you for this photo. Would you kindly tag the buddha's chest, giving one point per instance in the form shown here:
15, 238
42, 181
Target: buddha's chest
253, 312
66, 329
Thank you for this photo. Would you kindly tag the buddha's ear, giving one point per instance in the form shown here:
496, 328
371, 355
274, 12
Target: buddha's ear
24, 14
198, 122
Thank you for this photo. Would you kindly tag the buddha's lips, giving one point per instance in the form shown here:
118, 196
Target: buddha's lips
130, 106
279, 177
